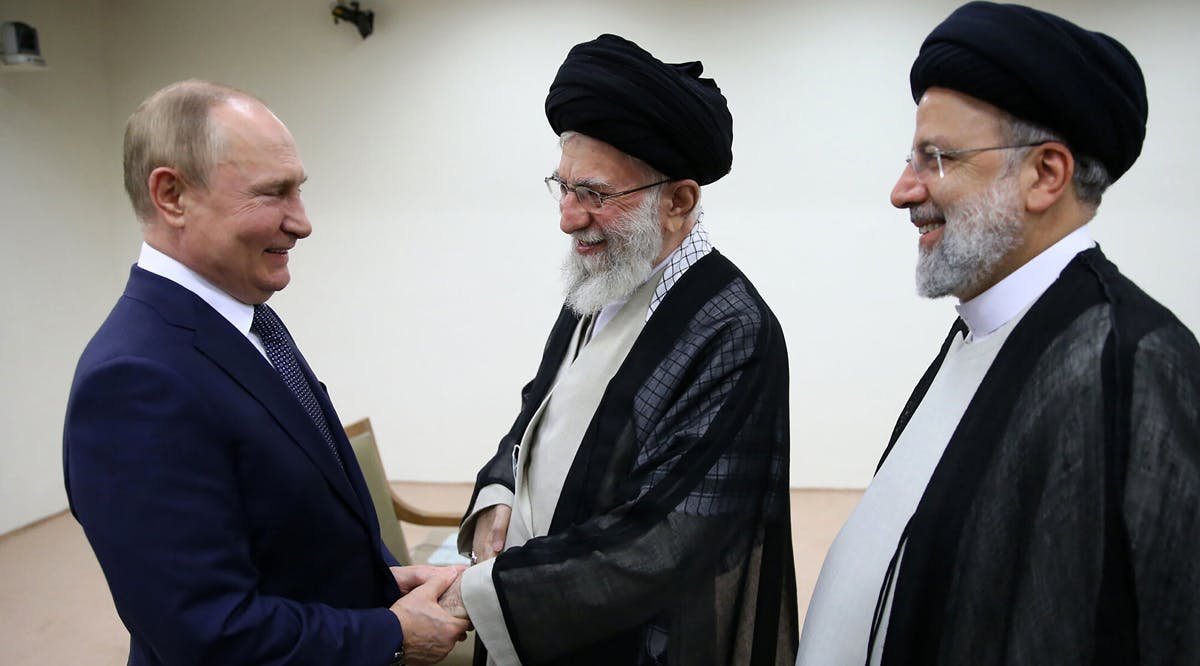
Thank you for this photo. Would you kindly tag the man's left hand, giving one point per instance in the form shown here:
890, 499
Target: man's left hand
411, 577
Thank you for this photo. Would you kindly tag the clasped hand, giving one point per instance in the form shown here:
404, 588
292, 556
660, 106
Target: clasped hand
430, 631
491, 528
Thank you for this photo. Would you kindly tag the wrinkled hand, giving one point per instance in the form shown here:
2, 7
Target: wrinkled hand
411, 577
429, 631
491, 528
451, 600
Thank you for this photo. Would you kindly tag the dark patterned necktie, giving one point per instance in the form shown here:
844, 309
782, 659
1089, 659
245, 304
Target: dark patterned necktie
279, 350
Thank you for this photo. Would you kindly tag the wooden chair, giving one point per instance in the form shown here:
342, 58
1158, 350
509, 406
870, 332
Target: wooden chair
391, 510
389, 507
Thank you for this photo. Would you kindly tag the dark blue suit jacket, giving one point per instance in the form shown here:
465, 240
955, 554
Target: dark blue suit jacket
226, 530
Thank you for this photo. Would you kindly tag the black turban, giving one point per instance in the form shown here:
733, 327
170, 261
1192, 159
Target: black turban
1043, 69
663, 114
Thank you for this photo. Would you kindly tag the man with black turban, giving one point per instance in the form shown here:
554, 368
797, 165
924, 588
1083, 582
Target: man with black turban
637, 511
1038, 501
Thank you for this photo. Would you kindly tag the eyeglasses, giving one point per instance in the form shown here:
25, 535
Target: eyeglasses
922, 160
586, 196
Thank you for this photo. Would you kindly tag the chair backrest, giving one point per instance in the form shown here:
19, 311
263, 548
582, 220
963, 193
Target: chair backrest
362, 438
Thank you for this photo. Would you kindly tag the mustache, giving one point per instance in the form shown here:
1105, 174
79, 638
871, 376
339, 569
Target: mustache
926, 213
588, 236
623, 231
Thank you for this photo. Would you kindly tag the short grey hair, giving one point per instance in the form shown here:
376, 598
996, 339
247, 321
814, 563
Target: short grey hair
173, 128
1091, 177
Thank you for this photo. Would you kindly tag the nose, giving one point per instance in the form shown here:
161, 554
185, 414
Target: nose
572, 216
908, 190
295, 220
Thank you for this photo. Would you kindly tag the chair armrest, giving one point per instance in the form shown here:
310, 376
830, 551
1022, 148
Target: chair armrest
411, 514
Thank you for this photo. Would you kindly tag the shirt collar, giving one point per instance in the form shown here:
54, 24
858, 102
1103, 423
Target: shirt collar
694, 246
236, 312
1007, 298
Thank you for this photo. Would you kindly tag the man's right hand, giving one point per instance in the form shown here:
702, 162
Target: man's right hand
429, 632
491, 528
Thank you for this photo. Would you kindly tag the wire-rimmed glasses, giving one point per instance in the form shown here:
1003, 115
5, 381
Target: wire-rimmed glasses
923, 159
586, 196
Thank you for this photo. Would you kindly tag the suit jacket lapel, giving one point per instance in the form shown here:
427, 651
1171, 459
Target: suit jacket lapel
217, 339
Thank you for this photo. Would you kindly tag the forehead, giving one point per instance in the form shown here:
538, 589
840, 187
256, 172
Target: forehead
585, 159
950, 119
253, 139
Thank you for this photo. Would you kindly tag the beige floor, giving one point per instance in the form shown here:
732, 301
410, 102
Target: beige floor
55, 607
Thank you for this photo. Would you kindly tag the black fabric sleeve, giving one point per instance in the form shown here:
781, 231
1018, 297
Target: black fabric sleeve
1162, 496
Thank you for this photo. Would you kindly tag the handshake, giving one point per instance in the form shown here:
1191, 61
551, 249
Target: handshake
430, 630
430, 608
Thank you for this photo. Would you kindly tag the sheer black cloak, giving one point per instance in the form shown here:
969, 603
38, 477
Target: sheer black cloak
1062, 524
671, 540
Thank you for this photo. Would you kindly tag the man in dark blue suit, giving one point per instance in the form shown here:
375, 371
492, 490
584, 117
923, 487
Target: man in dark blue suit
201, 455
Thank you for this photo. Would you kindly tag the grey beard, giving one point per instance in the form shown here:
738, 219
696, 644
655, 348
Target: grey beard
980, 231
633, 244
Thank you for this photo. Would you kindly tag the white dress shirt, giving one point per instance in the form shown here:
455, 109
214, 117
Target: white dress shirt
234, 311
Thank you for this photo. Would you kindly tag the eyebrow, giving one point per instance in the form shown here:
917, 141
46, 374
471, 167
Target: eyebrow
590, 182
594, 183
938, 141
282, 183
926, 143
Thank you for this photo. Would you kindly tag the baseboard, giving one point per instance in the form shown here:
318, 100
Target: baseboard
30, 526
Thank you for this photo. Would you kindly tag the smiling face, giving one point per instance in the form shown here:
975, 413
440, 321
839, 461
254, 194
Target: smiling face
600, 167
971, 221
613, 248
238, 231
979, 233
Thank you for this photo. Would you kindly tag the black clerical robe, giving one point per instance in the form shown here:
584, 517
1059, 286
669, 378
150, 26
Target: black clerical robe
671, 539
1062, 523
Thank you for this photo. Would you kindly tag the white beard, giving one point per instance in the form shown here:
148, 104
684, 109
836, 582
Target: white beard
592, 282
980, 231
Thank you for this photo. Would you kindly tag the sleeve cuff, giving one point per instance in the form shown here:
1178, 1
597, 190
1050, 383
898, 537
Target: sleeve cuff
489, 495
483, 605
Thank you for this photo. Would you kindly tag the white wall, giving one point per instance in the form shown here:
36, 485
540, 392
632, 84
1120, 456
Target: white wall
424, 296
56, 252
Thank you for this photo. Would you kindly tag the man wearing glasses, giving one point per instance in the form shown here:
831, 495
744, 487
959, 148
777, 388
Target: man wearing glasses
1038, 500
637, 511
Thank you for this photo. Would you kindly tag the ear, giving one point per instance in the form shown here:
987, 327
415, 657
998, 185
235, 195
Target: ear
1053, 167
167, 192
684, 196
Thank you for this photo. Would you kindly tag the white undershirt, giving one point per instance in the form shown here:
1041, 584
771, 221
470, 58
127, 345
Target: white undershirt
838, 624
234, 311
